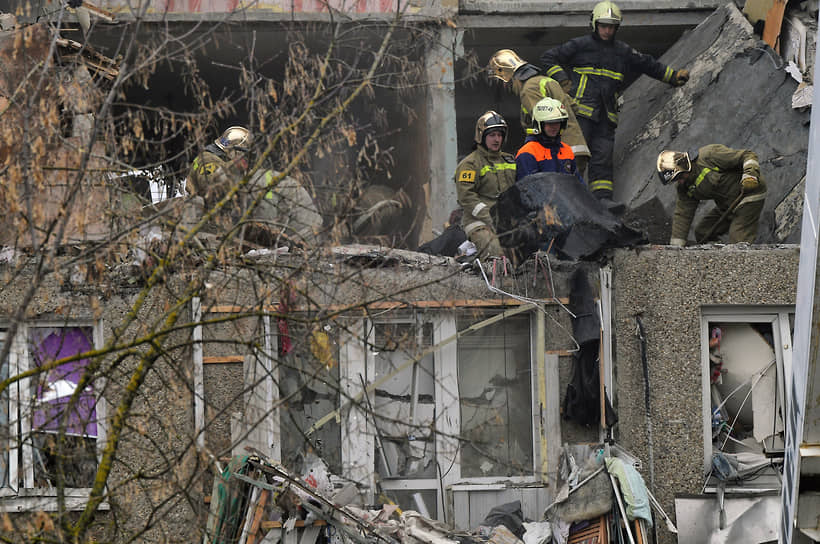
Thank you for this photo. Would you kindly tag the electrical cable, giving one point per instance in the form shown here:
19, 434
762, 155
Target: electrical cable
536, 303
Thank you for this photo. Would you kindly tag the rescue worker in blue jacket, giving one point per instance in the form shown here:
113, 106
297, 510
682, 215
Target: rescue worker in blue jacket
480, 178
593, 69
543, 150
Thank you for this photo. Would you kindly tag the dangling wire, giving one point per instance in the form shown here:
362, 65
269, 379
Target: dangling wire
535, 302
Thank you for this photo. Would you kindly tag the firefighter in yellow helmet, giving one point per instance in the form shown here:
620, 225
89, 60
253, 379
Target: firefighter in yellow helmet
729, 177
530, 86
220, 165
593, 69
480, 178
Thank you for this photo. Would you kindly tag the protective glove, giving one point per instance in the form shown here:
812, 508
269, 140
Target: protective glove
566, 85
680, 77
75, 3
749, 183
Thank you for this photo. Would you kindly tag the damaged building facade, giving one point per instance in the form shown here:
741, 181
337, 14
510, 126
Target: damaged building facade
392, 377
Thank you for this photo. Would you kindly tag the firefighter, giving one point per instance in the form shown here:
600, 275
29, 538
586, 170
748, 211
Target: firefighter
530, 86
220, 165
592, 69
480, 178
543, 150
729, 177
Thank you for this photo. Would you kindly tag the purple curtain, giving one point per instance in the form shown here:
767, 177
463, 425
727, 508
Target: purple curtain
55, 388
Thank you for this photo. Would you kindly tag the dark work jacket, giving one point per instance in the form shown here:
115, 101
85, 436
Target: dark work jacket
598, 70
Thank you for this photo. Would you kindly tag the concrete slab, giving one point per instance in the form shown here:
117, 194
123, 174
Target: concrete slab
739, 95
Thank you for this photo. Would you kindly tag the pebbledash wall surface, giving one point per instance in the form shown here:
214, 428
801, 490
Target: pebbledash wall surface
670, 289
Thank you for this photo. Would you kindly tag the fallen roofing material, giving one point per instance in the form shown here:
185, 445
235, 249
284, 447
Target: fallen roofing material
738, 94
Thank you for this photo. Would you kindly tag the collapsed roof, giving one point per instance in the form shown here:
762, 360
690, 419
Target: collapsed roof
739, 95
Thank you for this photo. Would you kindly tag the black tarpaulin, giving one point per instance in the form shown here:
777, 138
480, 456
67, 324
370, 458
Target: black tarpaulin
551, 210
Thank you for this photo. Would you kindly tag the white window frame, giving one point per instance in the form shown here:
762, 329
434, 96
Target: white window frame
27, 497
358, 459
778, 318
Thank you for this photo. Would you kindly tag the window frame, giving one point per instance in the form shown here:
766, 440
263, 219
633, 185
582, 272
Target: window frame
778, 316
26, 496
358, 448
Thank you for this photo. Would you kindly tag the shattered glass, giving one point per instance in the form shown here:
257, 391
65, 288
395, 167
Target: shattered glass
495, 392
309, 380
404, 406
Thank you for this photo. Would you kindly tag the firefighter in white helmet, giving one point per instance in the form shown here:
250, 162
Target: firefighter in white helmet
220, 165
729, 177
530, 86
480, 178
543, 150
593, 70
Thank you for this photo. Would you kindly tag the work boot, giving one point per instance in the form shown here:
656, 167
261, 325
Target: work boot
605, 198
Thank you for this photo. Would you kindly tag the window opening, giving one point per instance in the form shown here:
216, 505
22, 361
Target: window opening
746, 391
404, 406
309, 381
495, 392
57, 435
5, 428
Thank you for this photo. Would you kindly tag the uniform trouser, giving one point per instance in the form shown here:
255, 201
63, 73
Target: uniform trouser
741, 224
486, 242
600, 137
581, 161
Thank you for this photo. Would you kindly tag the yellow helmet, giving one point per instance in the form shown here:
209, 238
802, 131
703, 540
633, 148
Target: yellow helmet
490, 121
607, 13
235, 140
671, 164
503, 65
548, 110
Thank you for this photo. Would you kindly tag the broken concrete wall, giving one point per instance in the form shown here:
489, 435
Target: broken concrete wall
738, 95
165, 428
41, 167
683, 282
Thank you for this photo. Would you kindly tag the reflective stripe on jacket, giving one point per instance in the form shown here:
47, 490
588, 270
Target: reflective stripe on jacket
538, 87
715, 175
480, 178
534, 157
598, 70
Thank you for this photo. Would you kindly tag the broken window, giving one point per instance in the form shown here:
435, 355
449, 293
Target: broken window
495, 391
746, 353
309, 380
5, 434
48, 425
53, 417
405, 403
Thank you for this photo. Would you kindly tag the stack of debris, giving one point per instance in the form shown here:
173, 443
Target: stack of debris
256, 501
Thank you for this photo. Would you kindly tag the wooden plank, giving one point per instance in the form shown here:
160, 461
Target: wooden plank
257, 516
387, 305
774, 20
224, 359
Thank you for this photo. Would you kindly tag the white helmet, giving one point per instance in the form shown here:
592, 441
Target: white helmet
235, 141
671, 164
548, 110
607, 13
